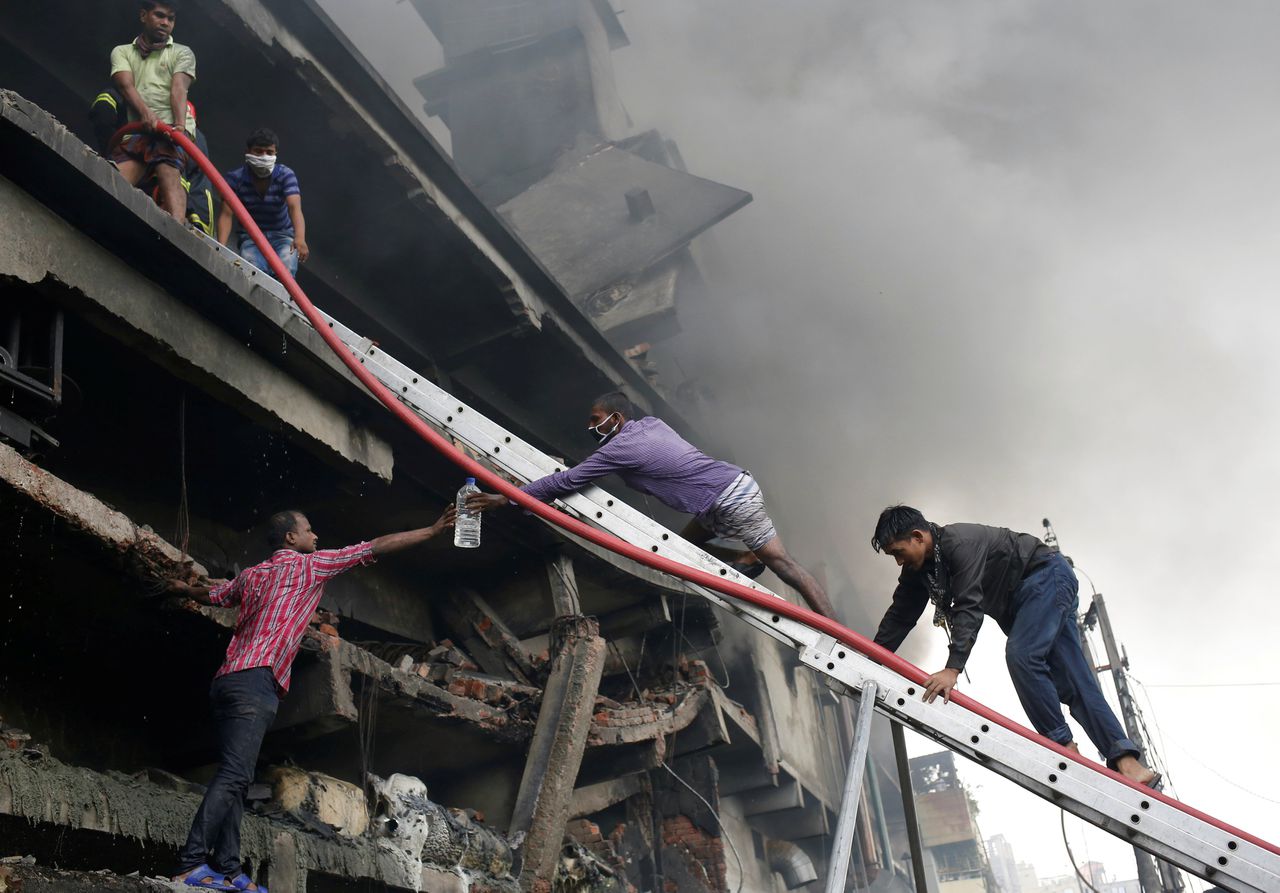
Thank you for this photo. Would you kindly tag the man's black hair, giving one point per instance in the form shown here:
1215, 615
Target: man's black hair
281, 525
616, 401
171, 5
263, 136
896, 523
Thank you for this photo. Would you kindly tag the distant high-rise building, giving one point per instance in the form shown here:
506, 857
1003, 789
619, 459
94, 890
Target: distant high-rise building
1027, 877
1004, 867
949, 826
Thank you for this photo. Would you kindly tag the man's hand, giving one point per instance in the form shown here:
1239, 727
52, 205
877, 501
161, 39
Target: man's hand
149, 120
941, 683
482, 502
197, 592
300, 246
445, 521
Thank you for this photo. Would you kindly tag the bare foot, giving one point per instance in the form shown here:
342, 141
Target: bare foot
1071, 745
1131, 768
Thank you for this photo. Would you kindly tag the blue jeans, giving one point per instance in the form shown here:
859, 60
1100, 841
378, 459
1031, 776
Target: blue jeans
281, 242
1048, 665
244, 705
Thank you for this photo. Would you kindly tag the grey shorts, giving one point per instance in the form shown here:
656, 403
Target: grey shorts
738, 513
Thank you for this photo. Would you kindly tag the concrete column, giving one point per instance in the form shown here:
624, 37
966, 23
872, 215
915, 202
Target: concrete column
287, 876
564, 586
545, 798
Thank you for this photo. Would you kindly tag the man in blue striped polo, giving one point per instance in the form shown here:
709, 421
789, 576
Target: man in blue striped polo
269, 191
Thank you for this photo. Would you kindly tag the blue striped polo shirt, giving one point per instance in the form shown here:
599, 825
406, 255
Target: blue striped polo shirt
269, 210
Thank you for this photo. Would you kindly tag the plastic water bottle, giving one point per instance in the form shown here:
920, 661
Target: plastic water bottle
466, 530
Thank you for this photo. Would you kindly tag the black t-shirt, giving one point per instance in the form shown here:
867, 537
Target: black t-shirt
982, 566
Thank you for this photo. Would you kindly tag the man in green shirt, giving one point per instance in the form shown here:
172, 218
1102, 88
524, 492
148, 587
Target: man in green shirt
153, 75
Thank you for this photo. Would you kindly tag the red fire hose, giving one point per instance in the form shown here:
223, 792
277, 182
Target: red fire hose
728, 588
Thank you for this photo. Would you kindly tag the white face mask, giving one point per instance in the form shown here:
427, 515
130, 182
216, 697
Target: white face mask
262, 165
602, 436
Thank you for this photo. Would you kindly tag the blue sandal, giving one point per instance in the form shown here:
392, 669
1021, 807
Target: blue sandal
206, 878
242, 881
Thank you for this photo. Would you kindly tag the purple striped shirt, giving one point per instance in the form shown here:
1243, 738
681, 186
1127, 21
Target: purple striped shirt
651, 458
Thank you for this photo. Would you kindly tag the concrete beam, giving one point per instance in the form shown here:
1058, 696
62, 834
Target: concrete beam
645, 722
635, 620
140, 550
770, 799
320, 696
809, 820
483, 635
38, 248
555, 754
595, 797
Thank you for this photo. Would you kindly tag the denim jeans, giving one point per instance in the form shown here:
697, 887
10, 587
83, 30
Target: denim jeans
244, 705
281, 242
1048, 665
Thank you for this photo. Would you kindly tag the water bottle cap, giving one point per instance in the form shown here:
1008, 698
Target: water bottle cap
471, 480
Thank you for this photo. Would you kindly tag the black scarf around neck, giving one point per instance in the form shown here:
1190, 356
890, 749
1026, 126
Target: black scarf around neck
937, 580
145, 48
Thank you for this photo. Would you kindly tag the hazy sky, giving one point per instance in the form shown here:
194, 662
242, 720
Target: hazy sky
1006, 260
1011, 260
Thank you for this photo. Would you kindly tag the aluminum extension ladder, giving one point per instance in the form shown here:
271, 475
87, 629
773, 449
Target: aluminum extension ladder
1169, 833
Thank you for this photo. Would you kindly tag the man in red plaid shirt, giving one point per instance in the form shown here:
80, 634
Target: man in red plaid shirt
277, 599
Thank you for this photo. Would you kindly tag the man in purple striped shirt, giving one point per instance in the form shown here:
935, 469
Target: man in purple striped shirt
652, 458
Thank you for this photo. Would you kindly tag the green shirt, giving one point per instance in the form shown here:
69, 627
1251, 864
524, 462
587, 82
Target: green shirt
153, 76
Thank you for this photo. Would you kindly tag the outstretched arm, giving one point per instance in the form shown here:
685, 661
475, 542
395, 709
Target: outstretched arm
397, 542
613, 456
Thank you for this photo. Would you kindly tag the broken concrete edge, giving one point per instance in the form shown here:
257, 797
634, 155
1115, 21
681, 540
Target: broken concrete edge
37, 879
42, 789
84, 513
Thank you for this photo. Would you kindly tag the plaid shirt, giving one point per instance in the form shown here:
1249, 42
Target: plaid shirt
277, 599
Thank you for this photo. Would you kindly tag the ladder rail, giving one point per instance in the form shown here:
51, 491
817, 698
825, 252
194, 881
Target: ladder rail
1171, 829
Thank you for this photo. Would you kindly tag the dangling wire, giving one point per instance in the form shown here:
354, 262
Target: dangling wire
1079, 874
366, 727
182, 527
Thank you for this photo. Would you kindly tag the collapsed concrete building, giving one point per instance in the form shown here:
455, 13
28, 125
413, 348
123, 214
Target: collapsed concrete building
535, 714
